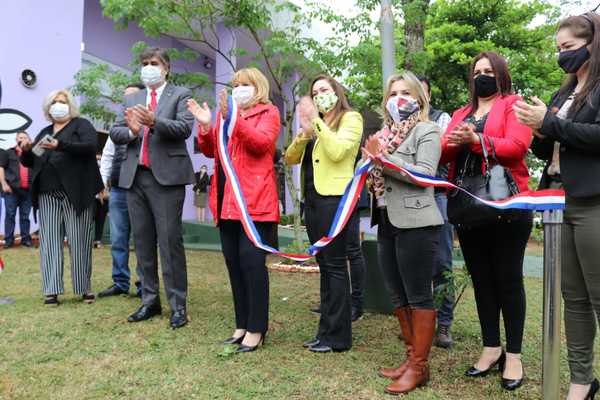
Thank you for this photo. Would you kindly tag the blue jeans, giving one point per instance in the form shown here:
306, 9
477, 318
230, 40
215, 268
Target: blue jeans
21, 199
443, 266
120, 229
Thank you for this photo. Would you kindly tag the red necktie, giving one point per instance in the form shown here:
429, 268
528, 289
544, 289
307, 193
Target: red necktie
145, 144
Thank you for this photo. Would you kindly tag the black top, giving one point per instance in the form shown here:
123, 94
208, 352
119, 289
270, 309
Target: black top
467, 162
9, 160
202, 182
579, 138
73, 163
307, 166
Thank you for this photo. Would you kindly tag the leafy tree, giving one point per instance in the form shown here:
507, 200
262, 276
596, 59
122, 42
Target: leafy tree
284, 54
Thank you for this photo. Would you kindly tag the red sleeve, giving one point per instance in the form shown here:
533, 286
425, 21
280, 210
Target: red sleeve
206, 141
260, 139
512, 144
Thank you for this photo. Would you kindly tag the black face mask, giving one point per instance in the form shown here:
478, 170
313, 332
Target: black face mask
570, 61
485, 86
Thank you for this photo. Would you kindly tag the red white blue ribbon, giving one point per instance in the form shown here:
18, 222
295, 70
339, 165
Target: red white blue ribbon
530, 200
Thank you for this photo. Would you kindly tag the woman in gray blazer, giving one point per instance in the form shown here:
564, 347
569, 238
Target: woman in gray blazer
409, 222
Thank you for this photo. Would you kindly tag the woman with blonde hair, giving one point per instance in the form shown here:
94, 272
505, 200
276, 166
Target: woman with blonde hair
65, 181
251, 148
409, 221
326, 148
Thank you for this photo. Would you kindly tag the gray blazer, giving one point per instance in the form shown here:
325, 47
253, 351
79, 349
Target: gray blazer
409, 205
169, 158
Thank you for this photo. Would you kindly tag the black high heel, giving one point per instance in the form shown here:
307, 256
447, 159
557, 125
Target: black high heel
476, 373
242, 348
234, 340
512, 384
593, 390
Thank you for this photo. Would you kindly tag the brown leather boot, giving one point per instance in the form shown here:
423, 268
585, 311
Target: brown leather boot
404, 316
417, 373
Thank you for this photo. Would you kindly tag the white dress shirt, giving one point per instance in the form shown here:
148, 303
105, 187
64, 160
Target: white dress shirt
106, 161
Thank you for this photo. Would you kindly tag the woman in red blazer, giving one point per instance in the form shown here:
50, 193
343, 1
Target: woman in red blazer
252, 150
493, 252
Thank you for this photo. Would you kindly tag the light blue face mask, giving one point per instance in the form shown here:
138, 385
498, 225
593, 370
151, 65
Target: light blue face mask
151, 75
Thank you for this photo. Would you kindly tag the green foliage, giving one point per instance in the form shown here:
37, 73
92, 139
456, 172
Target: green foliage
458, 281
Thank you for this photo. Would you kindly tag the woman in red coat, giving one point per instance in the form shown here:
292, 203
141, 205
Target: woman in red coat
251, 149
493, 251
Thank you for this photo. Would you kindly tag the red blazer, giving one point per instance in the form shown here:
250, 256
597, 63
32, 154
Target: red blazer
252, 149
511, 139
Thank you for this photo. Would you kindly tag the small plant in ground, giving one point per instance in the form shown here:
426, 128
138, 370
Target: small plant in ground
298, 248
459, 280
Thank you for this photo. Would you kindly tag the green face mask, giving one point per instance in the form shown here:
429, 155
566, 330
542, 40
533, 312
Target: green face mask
325, 102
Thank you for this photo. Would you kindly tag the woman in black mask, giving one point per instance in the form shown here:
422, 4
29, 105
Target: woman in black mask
567, 136
493, 247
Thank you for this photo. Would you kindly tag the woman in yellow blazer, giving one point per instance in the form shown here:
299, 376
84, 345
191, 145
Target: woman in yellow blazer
326, 147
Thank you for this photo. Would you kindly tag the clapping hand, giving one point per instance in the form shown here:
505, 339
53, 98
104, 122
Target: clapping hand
463, 134
132, 122
371, 149
224, 103
25, 144
144, 115
200, 112
531, 115
307, 112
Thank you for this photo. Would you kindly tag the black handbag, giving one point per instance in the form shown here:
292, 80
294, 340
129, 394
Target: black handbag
495, 183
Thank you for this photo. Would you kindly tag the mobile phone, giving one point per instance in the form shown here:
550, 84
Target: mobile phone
38, 150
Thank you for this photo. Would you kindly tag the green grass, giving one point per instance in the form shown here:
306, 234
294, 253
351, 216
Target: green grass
79, 351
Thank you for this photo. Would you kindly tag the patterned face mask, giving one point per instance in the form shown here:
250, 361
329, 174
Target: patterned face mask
325, 102
402, 107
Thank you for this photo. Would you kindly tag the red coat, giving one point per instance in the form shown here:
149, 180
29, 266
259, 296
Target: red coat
511, 139
252, 149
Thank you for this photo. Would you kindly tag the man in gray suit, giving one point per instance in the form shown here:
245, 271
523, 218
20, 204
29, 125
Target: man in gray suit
154, 125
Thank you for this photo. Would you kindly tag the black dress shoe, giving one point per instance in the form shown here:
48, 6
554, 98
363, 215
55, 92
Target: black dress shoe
242, 348
593, 390
357, 314
316, 309
233, 340
27, 243
320, 348
8, 245
475, 373
311, 343
145, 312
114, 290
511, 384
178, 319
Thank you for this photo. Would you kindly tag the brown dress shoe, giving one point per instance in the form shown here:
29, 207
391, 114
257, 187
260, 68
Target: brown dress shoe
404, 316
417, 373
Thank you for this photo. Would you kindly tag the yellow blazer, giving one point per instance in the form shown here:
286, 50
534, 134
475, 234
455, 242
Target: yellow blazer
334, 154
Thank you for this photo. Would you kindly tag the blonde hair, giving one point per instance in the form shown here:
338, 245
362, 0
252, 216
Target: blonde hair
255, 78
49, 100
416, 90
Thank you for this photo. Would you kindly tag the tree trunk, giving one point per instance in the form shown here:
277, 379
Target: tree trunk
298, 243
415, 15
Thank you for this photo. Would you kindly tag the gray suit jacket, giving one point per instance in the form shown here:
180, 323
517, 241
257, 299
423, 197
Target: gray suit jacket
409, 205
169, 158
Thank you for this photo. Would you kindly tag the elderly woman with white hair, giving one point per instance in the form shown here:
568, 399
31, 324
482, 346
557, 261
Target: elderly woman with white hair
65, 180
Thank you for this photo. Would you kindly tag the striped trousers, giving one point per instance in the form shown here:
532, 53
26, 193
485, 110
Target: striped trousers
57, 218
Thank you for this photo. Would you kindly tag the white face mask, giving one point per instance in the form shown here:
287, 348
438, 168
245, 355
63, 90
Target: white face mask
59, 111
242, 94
151, 75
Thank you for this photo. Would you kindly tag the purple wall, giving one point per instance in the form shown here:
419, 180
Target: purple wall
45, 36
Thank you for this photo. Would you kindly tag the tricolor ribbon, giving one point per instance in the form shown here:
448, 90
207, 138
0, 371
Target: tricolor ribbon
529, 200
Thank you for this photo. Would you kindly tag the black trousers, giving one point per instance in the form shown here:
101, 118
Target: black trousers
335, 324
407, 258
100, 212
248, 274
356, 260
494, 257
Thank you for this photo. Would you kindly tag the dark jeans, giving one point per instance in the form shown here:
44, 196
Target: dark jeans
335, 324
21, 199
442, 269
581, 284
494, 257
406, 259
248, 275
356, 259
120, 230
99, 218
